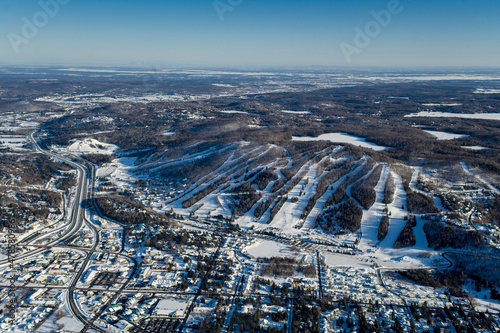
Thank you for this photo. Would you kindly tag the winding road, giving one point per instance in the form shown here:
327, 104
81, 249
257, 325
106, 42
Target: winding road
76, 220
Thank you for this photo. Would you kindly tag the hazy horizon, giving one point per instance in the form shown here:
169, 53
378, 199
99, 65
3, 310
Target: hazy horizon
253, 34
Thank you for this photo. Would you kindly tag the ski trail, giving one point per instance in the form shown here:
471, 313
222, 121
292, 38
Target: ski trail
398, 209
479, 178
413, 185
420, 235
320, 203
371, 218
288, 216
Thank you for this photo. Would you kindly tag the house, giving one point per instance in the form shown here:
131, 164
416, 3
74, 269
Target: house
144, 272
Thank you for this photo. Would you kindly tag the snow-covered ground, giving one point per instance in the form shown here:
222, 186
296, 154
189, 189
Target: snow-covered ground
482, 298
371, 218
487, 116
288, 216
92, 146
69, 323
342, 138
13, 142
480, 178
383, 251
218, 201
320, 203
335, 259
397, 211
121, 171
446, 135
268, 249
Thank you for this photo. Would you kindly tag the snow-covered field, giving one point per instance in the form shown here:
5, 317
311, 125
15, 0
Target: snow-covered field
268, 249
446, 135
13, 142
487, 116
120, 170
342, 138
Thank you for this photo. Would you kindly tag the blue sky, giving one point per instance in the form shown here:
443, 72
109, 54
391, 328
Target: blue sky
458, 33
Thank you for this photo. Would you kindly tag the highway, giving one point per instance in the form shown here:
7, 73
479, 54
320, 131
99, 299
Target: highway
75, 223
57, 237
75, 220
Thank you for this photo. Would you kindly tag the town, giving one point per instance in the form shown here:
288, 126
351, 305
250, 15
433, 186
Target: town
192, 215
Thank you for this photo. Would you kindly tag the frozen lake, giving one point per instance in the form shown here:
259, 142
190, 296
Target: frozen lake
446, 135
342, 138
487, 116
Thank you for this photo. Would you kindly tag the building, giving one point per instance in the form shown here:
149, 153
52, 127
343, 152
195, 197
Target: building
172, 307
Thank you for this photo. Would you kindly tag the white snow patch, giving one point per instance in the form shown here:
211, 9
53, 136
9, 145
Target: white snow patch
234, 111
70, 324
105, 170
29, 124
487, 91
475, 147
296, 112
223, 85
